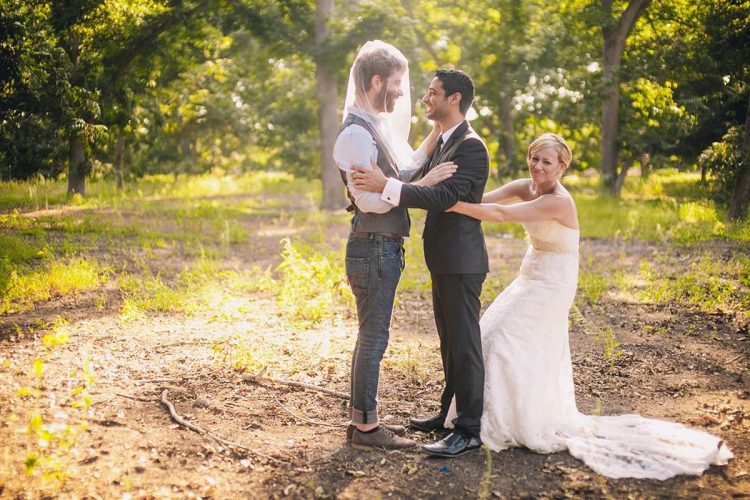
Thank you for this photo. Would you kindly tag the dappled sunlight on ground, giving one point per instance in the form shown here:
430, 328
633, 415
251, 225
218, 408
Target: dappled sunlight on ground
197, 291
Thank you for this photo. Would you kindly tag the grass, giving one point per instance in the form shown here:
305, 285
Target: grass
188, 246
312, 283
124, 238
42, 194
710, 284
670, 206
52, 435
59, 278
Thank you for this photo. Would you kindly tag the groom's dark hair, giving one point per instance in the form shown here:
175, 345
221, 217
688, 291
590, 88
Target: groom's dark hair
454, 81
378, 62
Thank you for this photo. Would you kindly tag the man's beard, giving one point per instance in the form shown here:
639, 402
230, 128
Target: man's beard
388, 99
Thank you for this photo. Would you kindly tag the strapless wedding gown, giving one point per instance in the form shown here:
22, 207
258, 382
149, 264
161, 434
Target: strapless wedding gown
529, 397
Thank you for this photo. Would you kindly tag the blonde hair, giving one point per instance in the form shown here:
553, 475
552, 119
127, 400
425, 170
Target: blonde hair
554, 141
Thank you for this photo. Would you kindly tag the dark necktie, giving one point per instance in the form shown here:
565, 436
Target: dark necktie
436, 154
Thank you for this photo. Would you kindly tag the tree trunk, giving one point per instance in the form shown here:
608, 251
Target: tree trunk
619, 181
76, 167
189, 153
645, 161
118, 159
614, 35
741, 195
610, 118
333, 192
508, 135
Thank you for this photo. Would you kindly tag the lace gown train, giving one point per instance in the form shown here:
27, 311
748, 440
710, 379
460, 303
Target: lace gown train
529, 397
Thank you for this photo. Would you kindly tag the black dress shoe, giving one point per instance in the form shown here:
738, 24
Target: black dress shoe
453, 445
428, 424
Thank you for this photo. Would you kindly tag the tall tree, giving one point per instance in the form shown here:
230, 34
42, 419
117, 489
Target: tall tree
728, 28
327, 108
615, 31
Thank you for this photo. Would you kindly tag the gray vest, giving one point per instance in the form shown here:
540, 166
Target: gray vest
396, 220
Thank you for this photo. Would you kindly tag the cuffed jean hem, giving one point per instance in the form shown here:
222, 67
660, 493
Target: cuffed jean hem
363, 417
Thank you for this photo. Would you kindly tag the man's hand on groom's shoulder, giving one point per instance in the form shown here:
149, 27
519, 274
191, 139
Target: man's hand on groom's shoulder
369, 179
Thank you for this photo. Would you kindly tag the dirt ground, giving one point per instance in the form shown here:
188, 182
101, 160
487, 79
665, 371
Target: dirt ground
677, 363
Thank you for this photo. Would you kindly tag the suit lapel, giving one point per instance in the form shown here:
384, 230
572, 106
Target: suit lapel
456, 136
447, 149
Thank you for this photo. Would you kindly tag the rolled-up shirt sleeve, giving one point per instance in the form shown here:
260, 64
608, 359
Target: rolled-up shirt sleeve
355, 146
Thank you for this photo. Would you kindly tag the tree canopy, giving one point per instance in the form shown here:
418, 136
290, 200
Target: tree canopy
124, 88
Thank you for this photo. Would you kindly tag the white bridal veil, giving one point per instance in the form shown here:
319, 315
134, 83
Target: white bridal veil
394, 126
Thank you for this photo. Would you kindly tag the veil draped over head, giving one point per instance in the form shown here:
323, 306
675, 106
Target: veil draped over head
394, 126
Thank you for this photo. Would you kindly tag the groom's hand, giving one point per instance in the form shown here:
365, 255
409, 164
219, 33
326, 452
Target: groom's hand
366, 179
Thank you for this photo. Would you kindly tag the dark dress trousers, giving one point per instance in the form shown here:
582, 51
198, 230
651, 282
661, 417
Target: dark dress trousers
456, 256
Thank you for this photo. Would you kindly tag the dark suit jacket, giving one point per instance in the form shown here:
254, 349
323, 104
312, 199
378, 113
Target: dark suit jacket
454, 243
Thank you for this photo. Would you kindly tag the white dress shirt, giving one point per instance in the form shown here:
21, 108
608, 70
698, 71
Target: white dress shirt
392, 190
355, 146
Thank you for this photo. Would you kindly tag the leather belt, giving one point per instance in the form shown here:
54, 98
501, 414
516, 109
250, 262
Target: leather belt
393, 236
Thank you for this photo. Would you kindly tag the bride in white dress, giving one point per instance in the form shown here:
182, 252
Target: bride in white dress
529, 397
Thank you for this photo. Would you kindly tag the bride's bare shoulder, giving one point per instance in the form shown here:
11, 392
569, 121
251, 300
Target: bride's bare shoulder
562, 192
524, 189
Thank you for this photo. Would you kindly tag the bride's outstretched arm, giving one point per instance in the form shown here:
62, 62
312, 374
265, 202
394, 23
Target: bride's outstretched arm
511, 191
548, 206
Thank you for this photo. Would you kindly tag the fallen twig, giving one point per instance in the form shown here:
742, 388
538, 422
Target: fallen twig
258, 379
181, 421
154, 380
135, 398
304, 419
736, 358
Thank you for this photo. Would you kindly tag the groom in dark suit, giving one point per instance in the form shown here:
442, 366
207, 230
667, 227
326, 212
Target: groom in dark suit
455, 254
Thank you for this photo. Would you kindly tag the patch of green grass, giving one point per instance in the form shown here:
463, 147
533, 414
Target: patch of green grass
52, 435
591, 287
25, 287
150, 294
42, 194
415, 276
35, 194
200, 286
311, 284
247, 356
407, 361
668, 206
603, 336
711, 284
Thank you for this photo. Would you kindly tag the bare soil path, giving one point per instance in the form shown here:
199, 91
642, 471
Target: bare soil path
676, 363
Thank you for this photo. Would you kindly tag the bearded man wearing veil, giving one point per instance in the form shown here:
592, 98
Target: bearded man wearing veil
375, 130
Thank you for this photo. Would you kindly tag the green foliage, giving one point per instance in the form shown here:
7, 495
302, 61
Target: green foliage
668, 206
727, 161
311, 284
712, 285
485, 485
602, 335
610, 345
247, 356
591, 287
407, 362
25, 287
150, 294
52, 437
415, 277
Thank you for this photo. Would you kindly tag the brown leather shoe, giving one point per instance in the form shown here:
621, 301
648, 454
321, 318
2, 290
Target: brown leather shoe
398, 430
382, 439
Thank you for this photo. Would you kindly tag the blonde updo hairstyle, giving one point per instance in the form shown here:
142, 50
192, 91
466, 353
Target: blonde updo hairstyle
555, 142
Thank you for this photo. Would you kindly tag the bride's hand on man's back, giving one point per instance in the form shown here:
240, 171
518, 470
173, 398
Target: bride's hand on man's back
437, 175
